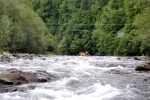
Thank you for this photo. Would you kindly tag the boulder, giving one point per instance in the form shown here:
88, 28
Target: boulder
12, 78
38, 76
144, 67
25, 77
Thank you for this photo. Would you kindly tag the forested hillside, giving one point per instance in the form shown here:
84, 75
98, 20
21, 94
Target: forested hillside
21, 29
71, 26
92, 25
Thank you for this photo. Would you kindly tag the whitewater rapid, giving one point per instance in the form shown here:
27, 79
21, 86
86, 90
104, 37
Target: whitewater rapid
82, 78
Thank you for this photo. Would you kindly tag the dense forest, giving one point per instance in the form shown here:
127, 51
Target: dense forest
21, 29
70, 26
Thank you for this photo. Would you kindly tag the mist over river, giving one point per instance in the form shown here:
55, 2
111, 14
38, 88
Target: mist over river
83, 78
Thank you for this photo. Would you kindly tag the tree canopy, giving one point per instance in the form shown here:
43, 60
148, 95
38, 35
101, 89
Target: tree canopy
71, 26
21, 29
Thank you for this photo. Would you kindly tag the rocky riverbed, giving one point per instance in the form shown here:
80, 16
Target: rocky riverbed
23, 76
12, 79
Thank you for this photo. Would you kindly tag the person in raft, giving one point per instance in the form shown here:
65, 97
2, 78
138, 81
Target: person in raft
87, 53
84, 54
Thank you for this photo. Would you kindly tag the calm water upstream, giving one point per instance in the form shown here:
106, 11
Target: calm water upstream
83, 78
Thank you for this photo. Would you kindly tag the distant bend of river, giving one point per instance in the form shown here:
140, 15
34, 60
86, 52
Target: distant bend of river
83, 78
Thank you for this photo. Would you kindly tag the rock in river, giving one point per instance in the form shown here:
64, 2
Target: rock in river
12, 78
144, 67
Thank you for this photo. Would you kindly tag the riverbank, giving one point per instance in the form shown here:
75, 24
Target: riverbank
22, 55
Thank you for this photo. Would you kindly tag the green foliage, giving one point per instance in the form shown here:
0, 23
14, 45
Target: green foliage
142, 31
21, 29
110, 22
1, 50
92, 25
130, 13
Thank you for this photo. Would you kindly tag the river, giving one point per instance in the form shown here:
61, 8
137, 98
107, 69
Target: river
83, 78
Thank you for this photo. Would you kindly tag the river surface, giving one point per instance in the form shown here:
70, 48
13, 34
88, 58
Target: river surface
83, 78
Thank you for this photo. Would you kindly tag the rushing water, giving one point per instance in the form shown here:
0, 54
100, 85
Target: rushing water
83, 78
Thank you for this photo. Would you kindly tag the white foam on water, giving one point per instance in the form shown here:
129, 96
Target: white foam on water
76, 76
96, 92
51, 94
2, 66
109, 68
99, 92
71, 80
67, 81
12, 96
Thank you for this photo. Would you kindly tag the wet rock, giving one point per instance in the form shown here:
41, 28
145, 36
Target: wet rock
16, 55
24, 56
30, 58
6, 81
40, 55
144, 67
119, 71
12, 89
136, 58
119, 58
31, 87
21, 89
13, 70
12, 78
6, 57
43, 58
27, 56
5, 89
115, 71
145, 79
42, 80
24, 77
148, 63
145, 58
38, 76
43, 75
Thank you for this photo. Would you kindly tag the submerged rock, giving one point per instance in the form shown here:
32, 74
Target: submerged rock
119, 71
119, 58
12, 78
